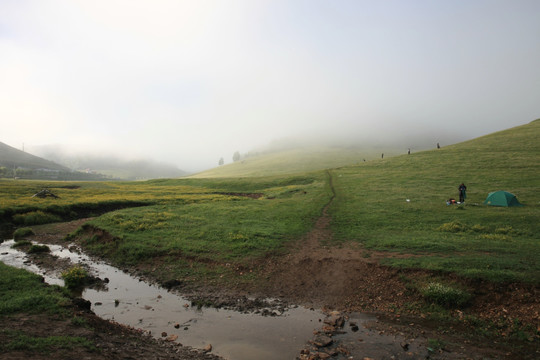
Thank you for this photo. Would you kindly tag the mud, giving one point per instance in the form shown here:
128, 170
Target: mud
268, 330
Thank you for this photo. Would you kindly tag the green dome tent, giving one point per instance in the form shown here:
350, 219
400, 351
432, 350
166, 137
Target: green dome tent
502, 198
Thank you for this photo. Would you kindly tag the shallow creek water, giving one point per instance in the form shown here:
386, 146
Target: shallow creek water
233, 335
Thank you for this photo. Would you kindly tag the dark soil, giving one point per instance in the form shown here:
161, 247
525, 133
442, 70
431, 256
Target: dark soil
110, 340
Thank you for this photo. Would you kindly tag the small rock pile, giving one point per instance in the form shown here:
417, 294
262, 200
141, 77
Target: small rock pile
323, 345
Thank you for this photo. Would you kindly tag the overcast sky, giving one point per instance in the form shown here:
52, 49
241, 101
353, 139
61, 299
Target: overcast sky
188, 82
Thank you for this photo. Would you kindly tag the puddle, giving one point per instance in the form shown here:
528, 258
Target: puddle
16, 258
132, 302
232, 335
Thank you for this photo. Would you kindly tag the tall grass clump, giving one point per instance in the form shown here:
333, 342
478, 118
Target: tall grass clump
36, 249
35, 218
21, 244
454, 226
445, 295
75, 277
21, 233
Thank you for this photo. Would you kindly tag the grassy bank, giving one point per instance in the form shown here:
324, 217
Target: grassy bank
203, 227
217, 233
25, 294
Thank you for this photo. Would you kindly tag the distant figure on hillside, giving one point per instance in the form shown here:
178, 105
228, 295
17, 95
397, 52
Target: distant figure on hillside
382, 156
462, 192
438, 146
409, 152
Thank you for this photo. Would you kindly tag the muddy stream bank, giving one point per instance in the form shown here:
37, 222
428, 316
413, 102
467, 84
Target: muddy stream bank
272, 331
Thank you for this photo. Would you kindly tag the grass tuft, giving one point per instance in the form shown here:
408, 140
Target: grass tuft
22, 233
75, 277
36, 249
445, 295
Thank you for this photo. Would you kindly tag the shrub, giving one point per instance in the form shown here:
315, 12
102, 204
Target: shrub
479, 228
503, 230
498, 237
454, 226
34, 249
22, 233
21, 243
35, 218
75, 277
79, 321
445, 295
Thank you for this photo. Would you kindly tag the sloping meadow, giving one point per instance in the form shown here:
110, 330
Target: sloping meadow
399, 205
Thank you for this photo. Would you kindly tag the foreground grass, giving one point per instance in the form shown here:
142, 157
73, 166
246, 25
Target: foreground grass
22, 292
20, 341
473, 240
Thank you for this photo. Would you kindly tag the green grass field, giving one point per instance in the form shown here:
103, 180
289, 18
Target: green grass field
24, 292
295, 161
474, 240
200, 226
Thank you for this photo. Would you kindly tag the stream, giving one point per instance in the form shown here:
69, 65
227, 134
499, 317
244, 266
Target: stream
233, 335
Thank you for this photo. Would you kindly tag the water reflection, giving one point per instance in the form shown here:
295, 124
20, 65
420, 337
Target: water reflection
129, 301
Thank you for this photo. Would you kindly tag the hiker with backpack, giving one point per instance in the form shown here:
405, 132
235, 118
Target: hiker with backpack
462, 192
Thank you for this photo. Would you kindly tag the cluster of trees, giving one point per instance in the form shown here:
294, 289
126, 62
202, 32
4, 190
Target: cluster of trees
236, 157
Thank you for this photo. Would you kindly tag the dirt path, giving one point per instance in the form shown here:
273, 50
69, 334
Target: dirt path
342, 278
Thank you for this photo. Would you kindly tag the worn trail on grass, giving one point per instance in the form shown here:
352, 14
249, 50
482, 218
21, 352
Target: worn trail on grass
345, 277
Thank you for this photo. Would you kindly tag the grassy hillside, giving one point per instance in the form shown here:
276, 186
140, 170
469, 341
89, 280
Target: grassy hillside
472, 239
111, 166
294, 161
17, 164
13, 158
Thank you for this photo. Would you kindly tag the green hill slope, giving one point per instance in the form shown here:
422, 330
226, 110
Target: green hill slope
13, 158
399, 205
295, 161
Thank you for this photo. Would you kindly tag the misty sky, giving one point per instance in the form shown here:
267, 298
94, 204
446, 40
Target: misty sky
188, 82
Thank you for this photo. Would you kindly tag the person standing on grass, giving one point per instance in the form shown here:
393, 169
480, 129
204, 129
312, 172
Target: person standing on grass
462, 192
